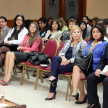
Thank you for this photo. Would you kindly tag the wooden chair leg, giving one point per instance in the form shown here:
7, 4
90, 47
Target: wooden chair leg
37, 76
71, 92
27, 73
67, 87
2, 68
22, 75
60, 77
41, 78
14, 70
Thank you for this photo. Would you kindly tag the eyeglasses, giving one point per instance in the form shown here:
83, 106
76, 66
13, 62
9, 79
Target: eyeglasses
18, 19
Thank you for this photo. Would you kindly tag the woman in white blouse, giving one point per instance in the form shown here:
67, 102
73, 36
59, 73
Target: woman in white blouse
14, 37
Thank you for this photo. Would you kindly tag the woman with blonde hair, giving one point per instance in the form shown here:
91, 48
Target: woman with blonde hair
96, 46
63, 63
62, 24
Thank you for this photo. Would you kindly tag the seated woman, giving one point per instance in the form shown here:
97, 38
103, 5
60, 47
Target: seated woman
96, 45
86, 19
54, 31
63, 63
66, 34
62, 24
43, 26
83, 27
94, 21
29, 44
50, 19
14, 37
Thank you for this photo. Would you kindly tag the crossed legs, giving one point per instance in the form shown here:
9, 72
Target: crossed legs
9, 63
77, 82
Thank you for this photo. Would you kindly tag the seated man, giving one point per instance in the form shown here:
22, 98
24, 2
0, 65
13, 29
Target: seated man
4, 29
94, 79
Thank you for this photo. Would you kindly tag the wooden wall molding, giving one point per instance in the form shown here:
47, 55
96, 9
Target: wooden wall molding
62, 13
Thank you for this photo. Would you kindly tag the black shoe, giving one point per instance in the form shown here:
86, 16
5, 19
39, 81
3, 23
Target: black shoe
45, 75
53, 97
94, 106
53, 82
34, 75
81, 102
76, 96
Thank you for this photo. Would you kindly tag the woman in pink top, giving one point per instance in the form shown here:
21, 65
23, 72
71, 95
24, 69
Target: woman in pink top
29, 44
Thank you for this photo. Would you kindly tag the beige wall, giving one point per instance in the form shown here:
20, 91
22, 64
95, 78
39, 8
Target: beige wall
31, 9
97, 8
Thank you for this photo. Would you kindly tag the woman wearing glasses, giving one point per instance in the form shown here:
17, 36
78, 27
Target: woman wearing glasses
14, 38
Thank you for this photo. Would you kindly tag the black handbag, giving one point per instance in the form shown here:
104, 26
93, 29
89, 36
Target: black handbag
37, 58
40, 59
33, 55
84, 62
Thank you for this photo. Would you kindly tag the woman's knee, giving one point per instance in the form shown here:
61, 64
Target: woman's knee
8, 53
56, 58
76, 68
12, 55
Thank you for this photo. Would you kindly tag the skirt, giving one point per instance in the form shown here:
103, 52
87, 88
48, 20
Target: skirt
86, 73
20, 56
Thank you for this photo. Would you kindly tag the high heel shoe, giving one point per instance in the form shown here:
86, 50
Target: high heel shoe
75, 96
2, 81
53, 97
5, 83
81, 102
51, 81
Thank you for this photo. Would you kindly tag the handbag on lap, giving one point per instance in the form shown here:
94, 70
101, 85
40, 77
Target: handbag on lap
84, 62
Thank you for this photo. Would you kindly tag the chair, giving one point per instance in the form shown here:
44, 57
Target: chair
51, 48
28, 64
68, 75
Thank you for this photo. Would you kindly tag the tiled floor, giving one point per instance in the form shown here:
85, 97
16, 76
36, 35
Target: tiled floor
25, 94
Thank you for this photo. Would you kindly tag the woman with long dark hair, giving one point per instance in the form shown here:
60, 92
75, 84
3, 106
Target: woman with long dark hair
29, 44
14, 37
54, 31
85, 32
86, 19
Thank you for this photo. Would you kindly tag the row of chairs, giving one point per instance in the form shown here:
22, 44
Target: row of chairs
51, 48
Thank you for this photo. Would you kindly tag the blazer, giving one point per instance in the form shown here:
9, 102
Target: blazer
5, 32
21, 36
98, 51
34, 46
79, 46
55, 35
104, 59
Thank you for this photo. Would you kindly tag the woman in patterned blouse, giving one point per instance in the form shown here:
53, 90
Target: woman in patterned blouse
63, 63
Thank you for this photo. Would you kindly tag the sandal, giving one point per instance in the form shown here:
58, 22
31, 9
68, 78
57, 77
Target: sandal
5, 83
2, 81
45, 75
